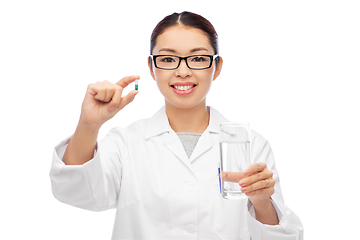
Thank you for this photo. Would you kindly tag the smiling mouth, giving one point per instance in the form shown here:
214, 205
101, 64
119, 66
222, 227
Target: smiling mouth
183, 88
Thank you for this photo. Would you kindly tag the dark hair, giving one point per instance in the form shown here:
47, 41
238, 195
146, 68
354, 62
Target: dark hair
187, 19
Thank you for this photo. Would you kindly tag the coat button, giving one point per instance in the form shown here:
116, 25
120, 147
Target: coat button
190, 228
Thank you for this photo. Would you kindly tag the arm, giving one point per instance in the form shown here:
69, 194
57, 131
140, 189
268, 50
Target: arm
289, 226
81, 146
259, 190
268, 217
266, 213
95, 184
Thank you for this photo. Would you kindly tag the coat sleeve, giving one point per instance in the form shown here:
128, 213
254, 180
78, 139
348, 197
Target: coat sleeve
290, 226
94, 185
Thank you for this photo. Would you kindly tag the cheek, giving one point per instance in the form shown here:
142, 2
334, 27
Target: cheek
162, 75
162, 79
206, 76
206, 73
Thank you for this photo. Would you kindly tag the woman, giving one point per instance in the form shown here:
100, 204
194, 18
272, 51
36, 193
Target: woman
161, 173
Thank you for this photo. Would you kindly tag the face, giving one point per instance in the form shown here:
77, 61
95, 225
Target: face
174, 84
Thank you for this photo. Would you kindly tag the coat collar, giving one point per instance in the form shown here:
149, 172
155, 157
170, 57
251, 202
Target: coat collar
159, 123
215, 119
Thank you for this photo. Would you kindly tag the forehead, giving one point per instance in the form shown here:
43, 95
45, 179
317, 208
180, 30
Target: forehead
182, 39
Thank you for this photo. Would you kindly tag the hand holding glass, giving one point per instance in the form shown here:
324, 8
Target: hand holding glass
235, 156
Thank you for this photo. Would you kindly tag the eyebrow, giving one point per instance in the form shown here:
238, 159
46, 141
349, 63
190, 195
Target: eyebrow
192, 50
167, 50
199, 49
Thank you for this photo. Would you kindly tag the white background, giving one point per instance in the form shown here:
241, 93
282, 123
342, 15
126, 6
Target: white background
291, 68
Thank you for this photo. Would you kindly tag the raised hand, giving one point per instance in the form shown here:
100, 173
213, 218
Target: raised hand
104, 99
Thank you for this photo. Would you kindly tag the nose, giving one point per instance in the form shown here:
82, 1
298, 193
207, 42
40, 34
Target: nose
183, 71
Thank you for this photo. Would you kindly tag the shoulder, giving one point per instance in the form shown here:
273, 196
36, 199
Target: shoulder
260, 149
136, 128
257, 138
120, 140
146, 127
258, 142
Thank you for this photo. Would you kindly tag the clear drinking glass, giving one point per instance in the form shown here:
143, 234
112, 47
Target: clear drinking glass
235, 155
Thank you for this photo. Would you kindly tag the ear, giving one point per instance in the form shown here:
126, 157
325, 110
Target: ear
218, 68
150, 64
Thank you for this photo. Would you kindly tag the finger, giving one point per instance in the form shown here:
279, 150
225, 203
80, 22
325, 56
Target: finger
96, 90
265, 174
255, 168
258, 185
92, 89
116, 99
265, 192
103, 91
99, 91
124, 82
110, 89
127, 99
232, 176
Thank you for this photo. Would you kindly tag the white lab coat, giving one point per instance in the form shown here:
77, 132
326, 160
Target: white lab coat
160, 193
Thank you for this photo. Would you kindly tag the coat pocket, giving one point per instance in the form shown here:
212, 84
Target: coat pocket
230, 221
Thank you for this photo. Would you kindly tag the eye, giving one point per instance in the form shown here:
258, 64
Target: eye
198, 59
167, 59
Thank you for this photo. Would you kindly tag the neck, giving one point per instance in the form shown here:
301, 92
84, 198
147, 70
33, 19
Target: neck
195, 119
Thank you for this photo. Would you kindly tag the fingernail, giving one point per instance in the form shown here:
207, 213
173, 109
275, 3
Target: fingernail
244, 189
246, 172
242, 182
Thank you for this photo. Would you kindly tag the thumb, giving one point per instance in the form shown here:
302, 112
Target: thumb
128, 99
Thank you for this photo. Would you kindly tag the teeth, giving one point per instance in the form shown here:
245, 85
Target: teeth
183, 88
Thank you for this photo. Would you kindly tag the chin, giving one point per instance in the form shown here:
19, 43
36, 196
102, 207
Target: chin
185, 104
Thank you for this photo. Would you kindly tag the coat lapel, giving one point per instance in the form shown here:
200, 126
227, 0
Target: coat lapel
205, 142
173, 143
159, 125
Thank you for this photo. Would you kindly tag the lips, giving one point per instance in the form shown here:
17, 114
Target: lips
183, 88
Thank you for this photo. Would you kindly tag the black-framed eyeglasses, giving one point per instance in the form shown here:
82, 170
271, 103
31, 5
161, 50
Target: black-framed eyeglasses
170, 62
